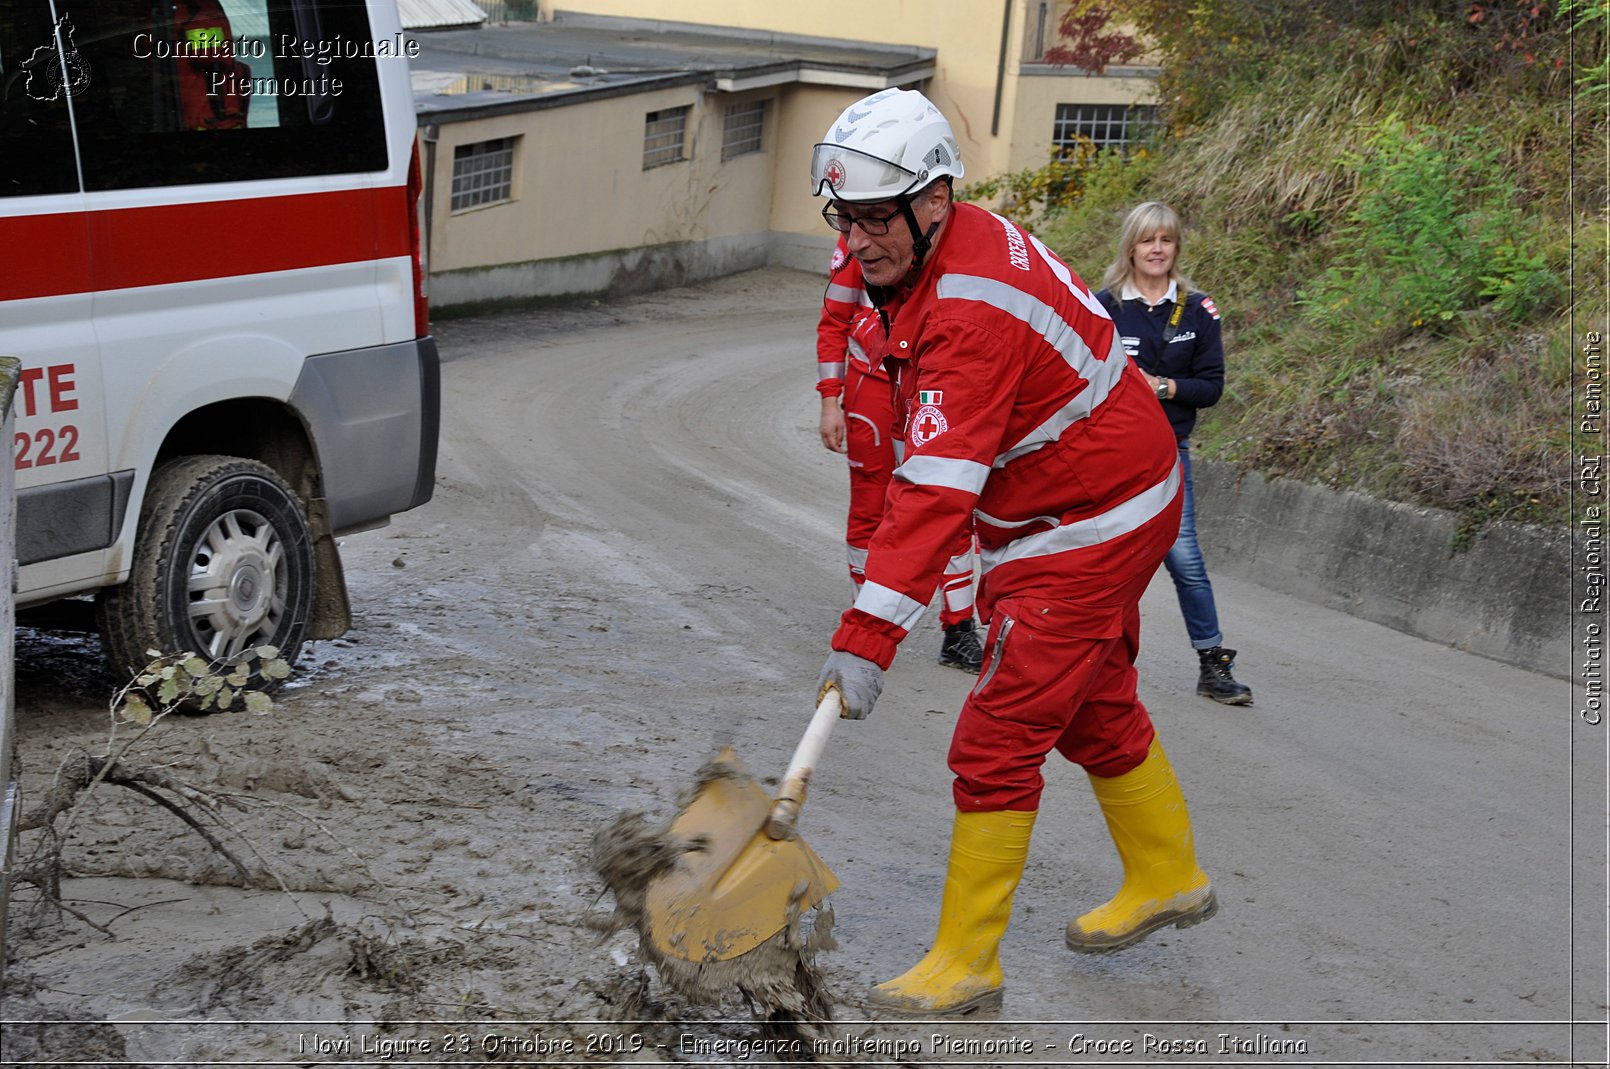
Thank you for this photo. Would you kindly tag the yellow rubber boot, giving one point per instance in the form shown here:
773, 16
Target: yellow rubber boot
1163, 886
963, 970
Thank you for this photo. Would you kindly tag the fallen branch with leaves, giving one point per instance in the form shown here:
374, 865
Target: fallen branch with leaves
169, 683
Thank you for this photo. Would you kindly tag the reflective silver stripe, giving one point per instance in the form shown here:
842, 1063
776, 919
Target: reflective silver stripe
1003, 627
1116, 521
994, 521
829, 371
858, 354
846, 295
1102, 375
877, 435
856, 556
960, 598
889, 605
899, 447
1060, 269
958, 582
968, 475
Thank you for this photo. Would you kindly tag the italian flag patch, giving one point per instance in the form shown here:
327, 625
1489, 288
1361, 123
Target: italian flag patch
930, 397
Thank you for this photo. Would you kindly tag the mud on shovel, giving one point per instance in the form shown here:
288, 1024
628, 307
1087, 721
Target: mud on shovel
752, 874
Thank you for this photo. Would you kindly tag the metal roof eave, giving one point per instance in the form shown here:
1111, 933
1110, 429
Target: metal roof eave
806, 73
478, 106
435, 14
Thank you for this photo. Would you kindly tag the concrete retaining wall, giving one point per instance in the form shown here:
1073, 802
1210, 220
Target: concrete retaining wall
1506, 596
627, 271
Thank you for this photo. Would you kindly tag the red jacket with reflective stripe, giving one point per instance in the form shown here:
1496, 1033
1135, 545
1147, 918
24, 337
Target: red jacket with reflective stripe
1019, 408
846, 297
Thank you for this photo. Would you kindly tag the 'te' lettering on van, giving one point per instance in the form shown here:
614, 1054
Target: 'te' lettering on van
216, 291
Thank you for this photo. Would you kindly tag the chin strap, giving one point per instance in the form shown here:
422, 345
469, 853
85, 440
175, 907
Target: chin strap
921, 242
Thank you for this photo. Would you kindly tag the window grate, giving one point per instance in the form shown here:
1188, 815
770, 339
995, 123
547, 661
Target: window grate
745, 129
664, 134
1106, 125
483, 173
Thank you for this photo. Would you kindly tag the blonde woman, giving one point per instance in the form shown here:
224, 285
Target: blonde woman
1171, 331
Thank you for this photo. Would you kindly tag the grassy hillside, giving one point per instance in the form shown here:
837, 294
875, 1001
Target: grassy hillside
1401, 214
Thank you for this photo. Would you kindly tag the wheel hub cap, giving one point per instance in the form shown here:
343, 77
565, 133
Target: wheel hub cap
236, 599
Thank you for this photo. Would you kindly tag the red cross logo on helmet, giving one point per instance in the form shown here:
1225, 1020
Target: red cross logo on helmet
834, 174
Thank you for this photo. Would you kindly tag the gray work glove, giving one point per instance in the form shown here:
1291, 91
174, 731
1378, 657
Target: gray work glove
858, 680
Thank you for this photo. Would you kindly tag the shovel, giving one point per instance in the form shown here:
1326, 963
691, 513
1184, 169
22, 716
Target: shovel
752, 874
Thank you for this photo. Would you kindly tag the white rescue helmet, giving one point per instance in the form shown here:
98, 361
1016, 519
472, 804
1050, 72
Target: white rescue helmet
887, 145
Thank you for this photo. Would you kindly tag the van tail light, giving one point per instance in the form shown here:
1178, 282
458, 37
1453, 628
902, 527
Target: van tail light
416, 209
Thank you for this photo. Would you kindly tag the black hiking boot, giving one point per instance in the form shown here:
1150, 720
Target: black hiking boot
962, 648
1217, 682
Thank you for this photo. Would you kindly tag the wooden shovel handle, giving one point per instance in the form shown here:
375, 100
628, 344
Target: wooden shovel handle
785, 810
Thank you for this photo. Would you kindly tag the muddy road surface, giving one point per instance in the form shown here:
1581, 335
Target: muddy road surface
633, 558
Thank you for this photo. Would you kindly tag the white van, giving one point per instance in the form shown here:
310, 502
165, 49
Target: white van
211, 272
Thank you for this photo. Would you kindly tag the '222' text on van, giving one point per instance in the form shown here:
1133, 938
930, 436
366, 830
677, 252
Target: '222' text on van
212, 277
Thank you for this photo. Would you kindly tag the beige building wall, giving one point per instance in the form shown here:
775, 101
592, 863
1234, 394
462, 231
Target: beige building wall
579, 186
1035, 108
968, 80
585, 217
809, 111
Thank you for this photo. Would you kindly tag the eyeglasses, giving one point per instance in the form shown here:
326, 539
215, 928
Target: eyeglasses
871, 225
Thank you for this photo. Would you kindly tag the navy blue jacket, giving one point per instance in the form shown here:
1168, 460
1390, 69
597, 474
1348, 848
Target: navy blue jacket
1194, 359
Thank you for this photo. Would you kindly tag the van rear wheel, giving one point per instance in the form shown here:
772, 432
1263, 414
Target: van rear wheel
223, 563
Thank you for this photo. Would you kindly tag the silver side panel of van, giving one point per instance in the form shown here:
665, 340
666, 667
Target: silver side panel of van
373, 415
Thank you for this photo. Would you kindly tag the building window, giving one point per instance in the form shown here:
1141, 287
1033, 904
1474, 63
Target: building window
744, 130
1038, 31
664, 134
483, 173
1106, 125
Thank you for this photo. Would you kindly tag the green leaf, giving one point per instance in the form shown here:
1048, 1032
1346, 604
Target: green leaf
240, 676
226, 698
276, 669
197, 667
258, 702
136, 711
267, 653
168, 693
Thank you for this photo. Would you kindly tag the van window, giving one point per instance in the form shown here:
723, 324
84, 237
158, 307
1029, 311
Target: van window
189, 91
36, 142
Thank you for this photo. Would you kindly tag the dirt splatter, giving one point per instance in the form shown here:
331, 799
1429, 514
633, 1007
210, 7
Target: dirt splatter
780, 977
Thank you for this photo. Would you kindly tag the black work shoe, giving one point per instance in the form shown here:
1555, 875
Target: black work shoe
962, 648
1217, 682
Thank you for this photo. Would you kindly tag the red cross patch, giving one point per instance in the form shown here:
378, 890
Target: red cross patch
927, 424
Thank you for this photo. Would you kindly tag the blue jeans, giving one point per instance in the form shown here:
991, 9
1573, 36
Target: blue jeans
1189, 571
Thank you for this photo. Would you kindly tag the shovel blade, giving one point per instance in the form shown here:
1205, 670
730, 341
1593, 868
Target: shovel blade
737, 892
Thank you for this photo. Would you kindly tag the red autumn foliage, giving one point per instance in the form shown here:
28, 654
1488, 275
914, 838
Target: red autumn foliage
1087, 41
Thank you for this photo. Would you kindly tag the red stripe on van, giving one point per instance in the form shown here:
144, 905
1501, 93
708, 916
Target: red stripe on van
189, 242
48, 256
